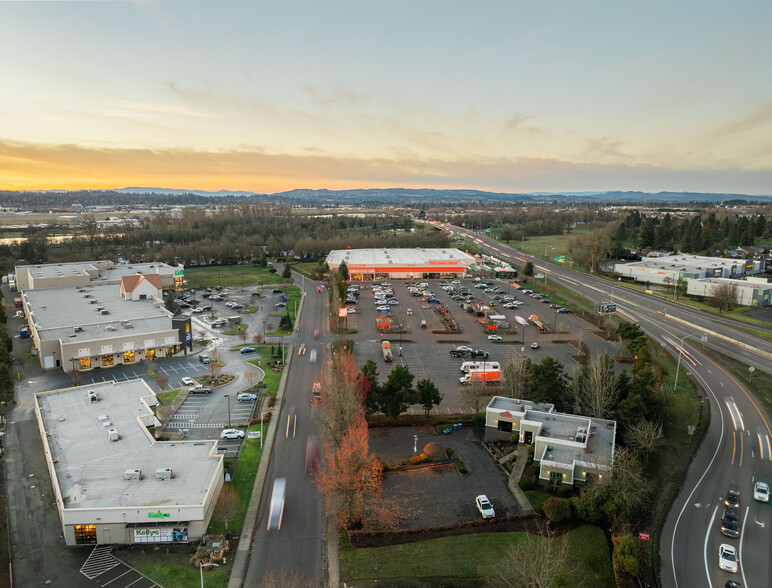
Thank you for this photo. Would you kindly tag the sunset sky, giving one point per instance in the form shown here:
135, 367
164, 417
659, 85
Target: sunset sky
274, 95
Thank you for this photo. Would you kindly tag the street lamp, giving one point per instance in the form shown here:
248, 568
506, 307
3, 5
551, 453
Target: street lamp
415, 444
228, 396
703, 338
261, 427
201, 567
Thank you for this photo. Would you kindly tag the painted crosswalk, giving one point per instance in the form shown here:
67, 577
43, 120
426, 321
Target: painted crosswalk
187, 425
99, 562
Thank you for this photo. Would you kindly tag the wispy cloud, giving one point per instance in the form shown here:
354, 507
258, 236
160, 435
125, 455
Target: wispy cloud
36, 166
752, 120
129, 109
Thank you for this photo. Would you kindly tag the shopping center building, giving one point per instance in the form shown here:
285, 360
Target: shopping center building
112, 481
80, 328
407, 264
86, 273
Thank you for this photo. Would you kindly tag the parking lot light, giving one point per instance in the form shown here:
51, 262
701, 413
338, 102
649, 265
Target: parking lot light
415, 444
228, 396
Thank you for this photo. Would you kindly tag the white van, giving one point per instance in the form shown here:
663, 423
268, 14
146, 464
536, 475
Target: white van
480, 365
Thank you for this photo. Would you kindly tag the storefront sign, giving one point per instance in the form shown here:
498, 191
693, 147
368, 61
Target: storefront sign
179, 272
506, 414
161, 535
158, 515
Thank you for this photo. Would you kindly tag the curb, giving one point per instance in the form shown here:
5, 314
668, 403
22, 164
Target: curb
244, 549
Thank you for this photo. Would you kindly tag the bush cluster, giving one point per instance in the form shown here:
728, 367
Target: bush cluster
6, 347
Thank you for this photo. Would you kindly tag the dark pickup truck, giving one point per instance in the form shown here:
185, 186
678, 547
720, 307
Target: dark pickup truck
478, 353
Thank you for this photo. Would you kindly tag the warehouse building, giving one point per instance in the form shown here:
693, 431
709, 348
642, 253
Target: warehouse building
570, 446
112, 481
681, 268
99, 326
87, 273
750, 292
407, 264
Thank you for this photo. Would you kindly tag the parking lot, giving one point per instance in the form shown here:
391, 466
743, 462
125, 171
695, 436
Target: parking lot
426, 353
436, 496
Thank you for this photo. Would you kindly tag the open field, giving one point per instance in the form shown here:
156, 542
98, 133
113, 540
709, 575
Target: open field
548, 246
230, 276
465, 560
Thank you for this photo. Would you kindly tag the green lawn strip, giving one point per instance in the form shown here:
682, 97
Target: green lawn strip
232, 276
537, 498
249, 310
466, 557
243, 481
168, 396
235, 330
554, 245
293, 295
169, 565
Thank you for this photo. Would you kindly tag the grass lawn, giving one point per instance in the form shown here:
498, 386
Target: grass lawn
293, 301
235, 330
168, 396
537, 498
467, 559
231, 276
170, 566
554, 245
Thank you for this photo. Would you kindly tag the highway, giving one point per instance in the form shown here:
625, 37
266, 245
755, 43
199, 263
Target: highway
735, 451
297, 546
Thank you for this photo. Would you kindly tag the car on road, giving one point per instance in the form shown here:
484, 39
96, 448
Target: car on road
312, 460
564, 310
246, 397
188, 381
761, 492
535, 345
478, 353
200, 389
302, 349
276, 511
276, 291
352, 311
409, 312
730, 522
245, 350
495, 337
198, 310
732, 584
232, 434
485, 507
316, 333
732, 499
727, 558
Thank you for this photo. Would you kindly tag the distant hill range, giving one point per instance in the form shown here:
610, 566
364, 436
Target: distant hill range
155, 196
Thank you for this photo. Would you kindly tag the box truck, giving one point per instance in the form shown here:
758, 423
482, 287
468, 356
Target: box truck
482, 376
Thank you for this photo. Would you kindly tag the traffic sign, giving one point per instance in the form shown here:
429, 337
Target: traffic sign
561, 258
643, 536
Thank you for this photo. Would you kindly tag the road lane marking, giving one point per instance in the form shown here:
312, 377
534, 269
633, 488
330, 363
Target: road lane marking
740, 551
705, 549
734, 447
742, 447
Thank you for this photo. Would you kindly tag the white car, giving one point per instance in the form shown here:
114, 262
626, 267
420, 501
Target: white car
485, 507
463, 348
352, 311
384, 308
187, 381
198, 310
495, 337
727, 558
246, 397
232, 434
761, 492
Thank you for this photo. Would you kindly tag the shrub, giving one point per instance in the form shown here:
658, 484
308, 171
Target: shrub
565, 491
424, 457
625, 559
514, 438
384, 465
532, 470
557, 509
415, 459
525, 484
450, 453
461, 467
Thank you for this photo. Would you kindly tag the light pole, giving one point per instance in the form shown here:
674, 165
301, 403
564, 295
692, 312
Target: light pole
201, 567
261, 427
228, 396
703, 338
264, 333
415, 444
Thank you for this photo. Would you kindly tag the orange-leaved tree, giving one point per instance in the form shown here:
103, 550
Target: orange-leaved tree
341, 402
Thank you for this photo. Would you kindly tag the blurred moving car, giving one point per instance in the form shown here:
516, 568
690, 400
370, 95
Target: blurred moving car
535, 345
732, 499
276, 510
311, 455
316, 333
245, 350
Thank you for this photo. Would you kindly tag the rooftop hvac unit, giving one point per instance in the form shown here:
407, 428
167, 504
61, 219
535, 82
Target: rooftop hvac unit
112, 435
135, 474
78, 329
164, 474
92, 396
104, 420
105, 311
109, 328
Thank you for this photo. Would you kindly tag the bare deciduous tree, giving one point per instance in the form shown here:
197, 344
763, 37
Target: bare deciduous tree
227, 504
724, 296
162, 382
533, 561
476, 396
594, 389
645, 436
341, 403
251, 375
515, 378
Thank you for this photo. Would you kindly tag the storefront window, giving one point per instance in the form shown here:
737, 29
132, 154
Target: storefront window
85, 534
149, 353
505, 426
171, 350
128, 357
84, 363
108, 360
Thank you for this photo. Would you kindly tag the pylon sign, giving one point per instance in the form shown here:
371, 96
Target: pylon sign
343, 312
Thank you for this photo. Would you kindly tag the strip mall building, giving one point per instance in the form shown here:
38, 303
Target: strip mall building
405, 264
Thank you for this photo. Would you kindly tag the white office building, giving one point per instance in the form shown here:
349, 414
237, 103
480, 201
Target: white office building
680, 268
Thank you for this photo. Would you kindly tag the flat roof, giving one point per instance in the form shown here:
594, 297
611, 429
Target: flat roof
517, 405
60, 270
56, 311
399, 257
89, 468
600, 437
684, 262
755, 284
108, 272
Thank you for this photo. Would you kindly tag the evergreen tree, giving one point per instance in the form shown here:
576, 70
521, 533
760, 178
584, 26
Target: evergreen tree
647, 235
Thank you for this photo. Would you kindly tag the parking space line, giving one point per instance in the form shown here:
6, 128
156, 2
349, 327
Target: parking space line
128, 571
